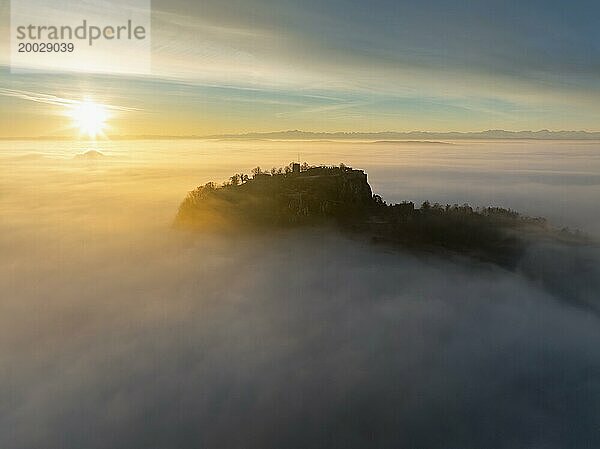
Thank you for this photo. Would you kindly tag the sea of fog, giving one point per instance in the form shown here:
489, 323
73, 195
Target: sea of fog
118, 331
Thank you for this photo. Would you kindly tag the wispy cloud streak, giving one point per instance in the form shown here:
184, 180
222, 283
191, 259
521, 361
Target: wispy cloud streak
54, 100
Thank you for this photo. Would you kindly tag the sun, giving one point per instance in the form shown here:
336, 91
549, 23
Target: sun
89, 117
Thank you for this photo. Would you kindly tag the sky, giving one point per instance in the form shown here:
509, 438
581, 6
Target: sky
340, 65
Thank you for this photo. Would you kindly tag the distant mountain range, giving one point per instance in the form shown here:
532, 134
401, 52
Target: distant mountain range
384, 136
415, 135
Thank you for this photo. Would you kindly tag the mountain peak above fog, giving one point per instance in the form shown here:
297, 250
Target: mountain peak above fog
341, 197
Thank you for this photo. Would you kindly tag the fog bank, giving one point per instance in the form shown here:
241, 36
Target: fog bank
118, 331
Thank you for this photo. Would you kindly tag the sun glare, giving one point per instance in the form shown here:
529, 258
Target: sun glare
89, 117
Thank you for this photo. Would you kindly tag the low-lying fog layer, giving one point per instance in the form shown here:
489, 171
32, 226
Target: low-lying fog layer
117, 331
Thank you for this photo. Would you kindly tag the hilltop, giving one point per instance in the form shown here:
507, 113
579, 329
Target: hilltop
341, 196
286, 197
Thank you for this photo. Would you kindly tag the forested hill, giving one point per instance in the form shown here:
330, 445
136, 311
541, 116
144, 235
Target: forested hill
340, 196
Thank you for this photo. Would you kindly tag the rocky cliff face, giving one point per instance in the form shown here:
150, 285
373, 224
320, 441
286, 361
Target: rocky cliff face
326, 192
311, 196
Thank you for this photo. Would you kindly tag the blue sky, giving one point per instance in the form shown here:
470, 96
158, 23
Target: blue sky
259, 65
